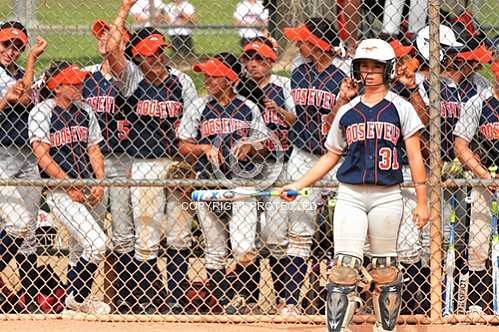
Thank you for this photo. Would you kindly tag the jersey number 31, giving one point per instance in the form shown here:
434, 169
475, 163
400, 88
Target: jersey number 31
389, 159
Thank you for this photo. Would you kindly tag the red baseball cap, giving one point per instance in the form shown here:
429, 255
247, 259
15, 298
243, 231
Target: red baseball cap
149, 45
12, 34
302, 33
71, 75
216, 68
261, 48
99, 27
481, 54
401, 49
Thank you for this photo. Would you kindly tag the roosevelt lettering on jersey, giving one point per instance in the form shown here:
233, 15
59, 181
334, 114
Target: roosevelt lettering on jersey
314, 97
490, 131
278, 135
159, 109
217, 126
359, 132
68, 136
272, 117
102, 104
450, 109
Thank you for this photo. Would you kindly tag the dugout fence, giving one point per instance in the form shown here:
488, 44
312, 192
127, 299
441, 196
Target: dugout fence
251, 280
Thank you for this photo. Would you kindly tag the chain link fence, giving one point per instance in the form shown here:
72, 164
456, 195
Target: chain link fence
115, 118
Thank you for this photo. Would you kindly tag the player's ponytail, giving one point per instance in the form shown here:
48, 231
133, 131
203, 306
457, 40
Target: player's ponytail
54, 69
246, 86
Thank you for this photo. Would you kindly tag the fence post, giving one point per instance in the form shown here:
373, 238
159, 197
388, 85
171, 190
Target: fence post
435, 163
25, 11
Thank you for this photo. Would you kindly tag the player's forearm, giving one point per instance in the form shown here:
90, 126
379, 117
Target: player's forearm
190, 150
114, 53
289, 117
97, 161
466, 157
3, 103
46, 163
123, 12
418, 171
420, 107
319, 170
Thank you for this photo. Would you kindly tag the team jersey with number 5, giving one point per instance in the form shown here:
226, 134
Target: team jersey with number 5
372, 138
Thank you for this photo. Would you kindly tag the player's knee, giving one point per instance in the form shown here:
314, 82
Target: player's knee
345, 270
98, 250
385, 271
299, 245
215, 261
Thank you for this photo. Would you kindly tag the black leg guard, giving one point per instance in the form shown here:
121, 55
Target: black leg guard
342, 302
387, 297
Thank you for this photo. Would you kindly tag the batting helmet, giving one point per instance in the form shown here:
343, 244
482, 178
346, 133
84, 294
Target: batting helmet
448, 42
377, 50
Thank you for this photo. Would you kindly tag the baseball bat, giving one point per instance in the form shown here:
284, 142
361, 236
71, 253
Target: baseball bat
495, 247
239, 194
450, 262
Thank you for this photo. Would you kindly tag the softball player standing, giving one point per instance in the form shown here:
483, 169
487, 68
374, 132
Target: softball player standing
65, 136
18, 205
480, 117
315, 87
223, 132
370, 131
100, 92
258, 57
155, 97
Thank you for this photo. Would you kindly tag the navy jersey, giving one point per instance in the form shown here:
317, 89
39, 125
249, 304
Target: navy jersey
13, 119
69, 133
371, 139
154, 112
208, 122
102, 94
481, 119
450, 110
278, 90
314, 95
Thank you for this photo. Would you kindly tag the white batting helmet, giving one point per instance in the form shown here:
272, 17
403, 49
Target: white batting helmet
377, 50
448, 41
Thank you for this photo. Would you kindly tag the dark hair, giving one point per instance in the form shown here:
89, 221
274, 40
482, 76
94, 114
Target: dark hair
323, 28
15, 25
55, 68
136, 38
246, 87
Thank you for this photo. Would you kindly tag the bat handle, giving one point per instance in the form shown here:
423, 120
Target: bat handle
293, 193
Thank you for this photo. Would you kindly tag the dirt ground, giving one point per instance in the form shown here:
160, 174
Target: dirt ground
83, 326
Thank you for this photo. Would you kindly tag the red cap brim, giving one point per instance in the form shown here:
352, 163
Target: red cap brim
262, 49
302, 33
150, 45
215, 68
72, 75
13, 34
99, 27
400, 49
481, 54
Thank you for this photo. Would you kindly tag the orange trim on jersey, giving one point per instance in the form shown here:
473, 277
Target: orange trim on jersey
264, 50
302, 33
150, 45
71, 75
215, 68
13, 33
481, 54
400, 49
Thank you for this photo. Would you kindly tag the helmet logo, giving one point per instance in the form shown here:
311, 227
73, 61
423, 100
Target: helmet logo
370, 49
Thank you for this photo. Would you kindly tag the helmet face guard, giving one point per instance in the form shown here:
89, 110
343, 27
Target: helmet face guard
388, 72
